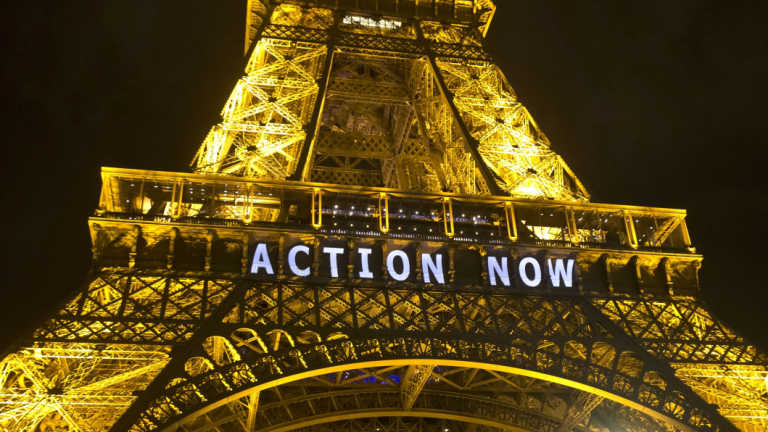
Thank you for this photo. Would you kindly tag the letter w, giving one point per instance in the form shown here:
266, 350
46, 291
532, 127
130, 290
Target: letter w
561, 272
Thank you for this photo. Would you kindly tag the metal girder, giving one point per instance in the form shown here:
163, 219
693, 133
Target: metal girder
470, 141
579, 411
371, 101
680, 330
128, 307
676, 330
739, 391
254, 147
376, 44
253, 406
301, 172
266, 116
423, 414
369, 401
81, 385
592, 356
413, 382
177, 362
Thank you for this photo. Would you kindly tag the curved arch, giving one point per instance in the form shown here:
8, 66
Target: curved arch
291, 407
198, 365
272, 356
433, 414
220, 350
310, 373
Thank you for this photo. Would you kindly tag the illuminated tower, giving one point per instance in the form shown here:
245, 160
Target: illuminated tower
377, 236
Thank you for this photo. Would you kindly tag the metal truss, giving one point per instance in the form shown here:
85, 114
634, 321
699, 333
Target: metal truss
73, 387
265, 119
163, 292
273, 331
295, 330
740, 392
383, 123
370, 393
135, 308
144, 306
465, 128
507, 137
451, 399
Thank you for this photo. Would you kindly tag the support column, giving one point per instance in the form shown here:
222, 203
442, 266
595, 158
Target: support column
413, 382
253, 405
304, 165
472, 143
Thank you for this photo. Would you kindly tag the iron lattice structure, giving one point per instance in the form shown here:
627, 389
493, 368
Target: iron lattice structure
381, 124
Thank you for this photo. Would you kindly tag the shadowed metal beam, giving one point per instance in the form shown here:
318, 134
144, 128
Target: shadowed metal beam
413, 382
253, 406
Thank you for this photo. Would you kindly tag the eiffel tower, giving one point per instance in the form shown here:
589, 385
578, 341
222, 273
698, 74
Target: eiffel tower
377, 236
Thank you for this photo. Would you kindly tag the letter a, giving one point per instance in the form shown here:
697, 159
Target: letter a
261, 260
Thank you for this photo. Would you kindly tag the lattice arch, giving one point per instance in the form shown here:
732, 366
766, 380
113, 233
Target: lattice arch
272, 357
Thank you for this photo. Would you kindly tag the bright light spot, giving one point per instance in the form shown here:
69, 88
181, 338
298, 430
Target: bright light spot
372, 22
528, 188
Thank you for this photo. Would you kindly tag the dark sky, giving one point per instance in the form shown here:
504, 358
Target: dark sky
656, 102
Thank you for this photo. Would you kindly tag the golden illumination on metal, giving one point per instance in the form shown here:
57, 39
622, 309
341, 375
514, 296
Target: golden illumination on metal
73, 387
448, 217
433, 120
374, 127
383, 212
509, 218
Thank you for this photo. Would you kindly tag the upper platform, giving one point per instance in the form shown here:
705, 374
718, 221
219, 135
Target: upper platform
239, 202
478, 13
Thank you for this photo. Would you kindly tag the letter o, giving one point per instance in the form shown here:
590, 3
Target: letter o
391, 265
524, 263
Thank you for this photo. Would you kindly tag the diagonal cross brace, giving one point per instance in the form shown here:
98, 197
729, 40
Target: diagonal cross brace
472, 145
662, 368
179, 356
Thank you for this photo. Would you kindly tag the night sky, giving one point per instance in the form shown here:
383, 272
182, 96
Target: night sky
657, 103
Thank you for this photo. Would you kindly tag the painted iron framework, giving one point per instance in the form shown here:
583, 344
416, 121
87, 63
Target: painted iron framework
381, 123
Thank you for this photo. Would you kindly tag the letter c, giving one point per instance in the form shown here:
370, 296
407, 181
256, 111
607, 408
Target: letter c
303, 272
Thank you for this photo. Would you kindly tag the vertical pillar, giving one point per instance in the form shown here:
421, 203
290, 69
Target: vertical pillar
304, 164
170, 258
451, 263
281, 255
471, 142
135, 247
244, 257
210, 236
629, 224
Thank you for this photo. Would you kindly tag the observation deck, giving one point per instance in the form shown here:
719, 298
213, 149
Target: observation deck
474, 13
619, 248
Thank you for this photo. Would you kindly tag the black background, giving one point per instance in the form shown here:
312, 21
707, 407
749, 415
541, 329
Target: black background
656, 103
